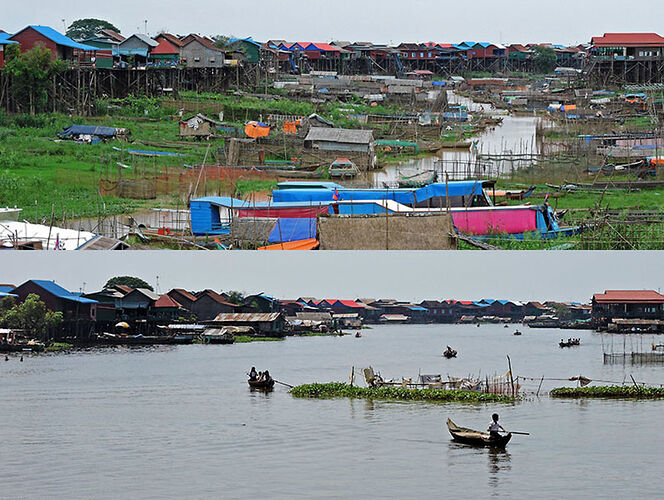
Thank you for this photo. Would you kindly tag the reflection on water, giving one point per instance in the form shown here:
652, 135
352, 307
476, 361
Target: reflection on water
181, 422
517, 135
500, 461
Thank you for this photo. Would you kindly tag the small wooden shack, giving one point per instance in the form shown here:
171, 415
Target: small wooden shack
198, 126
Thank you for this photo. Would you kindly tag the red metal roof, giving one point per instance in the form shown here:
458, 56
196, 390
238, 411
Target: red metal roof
628, 40
171, 38
184, 293
166, 301
629, 296
216, 297
165, 47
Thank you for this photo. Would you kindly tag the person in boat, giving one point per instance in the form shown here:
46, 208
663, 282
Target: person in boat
253, 374
495, 427
266, 376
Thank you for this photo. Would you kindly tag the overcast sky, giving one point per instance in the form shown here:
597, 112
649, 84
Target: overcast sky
509, 21
350, 275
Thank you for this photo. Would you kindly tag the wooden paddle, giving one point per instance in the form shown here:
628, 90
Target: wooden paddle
287, 385
515, 432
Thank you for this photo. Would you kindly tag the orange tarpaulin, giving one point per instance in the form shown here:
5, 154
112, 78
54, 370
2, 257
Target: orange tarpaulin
256, 129
291, 127
308, 244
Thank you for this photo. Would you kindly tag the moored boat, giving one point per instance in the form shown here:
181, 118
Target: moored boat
343, 167
476, 438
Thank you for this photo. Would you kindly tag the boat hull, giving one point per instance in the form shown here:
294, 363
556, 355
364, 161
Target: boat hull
476, 438
264, 385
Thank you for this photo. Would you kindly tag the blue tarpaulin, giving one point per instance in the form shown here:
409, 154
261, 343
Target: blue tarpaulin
88, 130
287, 229
140, 152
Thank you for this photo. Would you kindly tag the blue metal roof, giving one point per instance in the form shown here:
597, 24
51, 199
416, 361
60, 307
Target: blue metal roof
4, 39
6, 289
55, 289
228, 202
401, 195
248, 40
59, 38
418, 308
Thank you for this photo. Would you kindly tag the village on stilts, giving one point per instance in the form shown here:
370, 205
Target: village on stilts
212, 142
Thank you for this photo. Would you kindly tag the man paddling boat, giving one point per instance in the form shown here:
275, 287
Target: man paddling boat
495, 428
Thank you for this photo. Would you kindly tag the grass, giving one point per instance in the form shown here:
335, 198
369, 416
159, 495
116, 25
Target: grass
617, 391
243, 339
42, 176
341, 390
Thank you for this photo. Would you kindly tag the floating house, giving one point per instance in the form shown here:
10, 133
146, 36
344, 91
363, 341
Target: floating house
627, 305
263, 324
78, 313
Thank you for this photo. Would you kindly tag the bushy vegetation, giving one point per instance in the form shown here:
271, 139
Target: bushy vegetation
243, 339
31, 316
614, 391
341, 390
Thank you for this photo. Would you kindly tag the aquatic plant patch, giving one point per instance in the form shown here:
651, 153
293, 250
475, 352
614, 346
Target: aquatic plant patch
342, 390
614, 391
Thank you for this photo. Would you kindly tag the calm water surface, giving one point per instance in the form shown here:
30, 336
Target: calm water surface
180, 422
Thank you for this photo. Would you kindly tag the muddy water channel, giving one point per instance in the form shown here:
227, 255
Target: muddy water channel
180, 422
515, 137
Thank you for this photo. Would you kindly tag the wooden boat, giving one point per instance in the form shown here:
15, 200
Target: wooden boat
417, 180
343, 167
571, 343
261, 384
517, 332
476, 438
450, 353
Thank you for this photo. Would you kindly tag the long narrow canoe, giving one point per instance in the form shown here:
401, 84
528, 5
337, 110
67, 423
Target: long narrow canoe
476, 438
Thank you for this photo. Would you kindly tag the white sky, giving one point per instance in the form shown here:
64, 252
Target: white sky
508, 21
471, 275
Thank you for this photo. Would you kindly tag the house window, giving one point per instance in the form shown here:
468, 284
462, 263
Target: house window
413, 55
421, 55
429, 54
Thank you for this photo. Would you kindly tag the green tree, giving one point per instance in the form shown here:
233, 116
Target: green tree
235, 297
31, 74
545, 59
129, 281
12, 51
32, 317
87, 28
221, 41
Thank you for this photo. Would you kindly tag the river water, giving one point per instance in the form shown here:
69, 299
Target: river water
180, 422
516, 135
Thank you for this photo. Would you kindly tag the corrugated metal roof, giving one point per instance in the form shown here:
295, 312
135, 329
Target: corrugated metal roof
628, 40
339, 135
165, 47
4, 39
634, 296
58, 38
55, 289
247, 317
143, 38
166, 301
